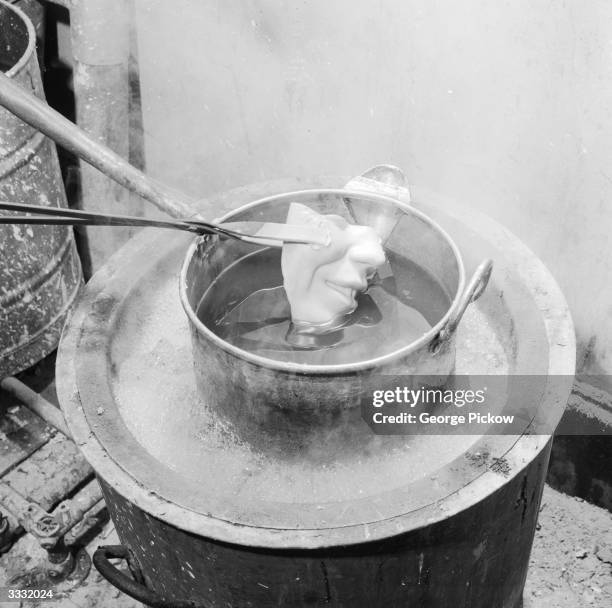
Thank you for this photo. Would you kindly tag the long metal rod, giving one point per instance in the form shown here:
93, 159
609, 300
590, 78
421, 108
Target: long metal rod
86, 498
39, 115
44, 118
62, 220
61, 215
253, 232
33, 401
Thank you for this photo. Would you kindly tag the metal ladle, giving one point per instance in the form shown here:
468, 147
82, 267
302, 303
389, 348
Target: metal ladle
41, 116
263, 233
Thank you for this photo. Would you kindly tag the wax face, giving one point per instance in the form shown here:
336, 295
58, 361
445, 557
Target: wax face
321, 282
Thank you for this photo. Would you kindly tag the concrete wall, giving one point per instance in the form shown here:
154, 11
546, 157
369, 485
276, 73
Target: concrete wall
504, 105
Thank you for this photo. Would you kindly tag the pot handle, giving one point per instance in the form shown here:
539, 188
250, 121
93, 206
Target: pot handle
390, 180
472, 292
129, 586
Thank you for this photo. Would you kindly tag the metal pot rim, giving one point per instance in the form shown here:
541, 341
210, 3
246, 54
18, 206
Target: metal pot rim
23, 60
291, 367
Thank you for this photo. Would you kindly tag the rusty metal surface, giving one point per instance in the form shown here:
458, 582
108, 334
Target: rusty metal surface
38, 468
127, 388
50, 473
21, 433
459, 561
50, 529
35, 402
26, 564
40, 274
556, 577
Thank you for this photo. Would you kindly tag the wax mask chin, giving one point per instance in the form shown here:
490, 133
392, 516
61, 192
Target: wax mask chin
321, 282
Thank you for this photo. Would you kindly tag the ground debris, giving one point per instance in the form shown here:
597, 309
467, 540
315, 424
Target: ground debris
568, 566
581, 553
604, 553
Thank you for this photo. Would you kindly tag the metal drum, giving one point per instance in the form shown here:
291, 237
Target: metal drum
40, 273
208, 519
35, 12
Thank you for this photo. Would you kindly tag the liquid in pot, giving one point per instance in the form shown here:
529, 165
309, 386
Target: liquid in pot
246, 306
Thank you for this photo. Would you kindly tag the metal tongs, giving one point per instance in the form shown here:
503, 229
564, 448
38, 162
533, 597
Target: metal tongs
261, 233
44, 118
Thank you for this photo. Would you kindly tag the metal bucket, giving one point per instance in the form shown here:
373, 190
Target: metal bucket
40, 274
35, 12
280, 405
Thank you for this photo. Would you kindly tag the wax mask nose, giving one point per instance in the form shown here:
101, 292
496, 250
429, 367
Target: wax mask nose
348, 274
369, 254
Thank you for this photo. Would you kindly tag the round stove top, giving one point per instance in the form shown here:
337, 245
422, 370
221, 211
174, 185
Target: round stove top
127, 388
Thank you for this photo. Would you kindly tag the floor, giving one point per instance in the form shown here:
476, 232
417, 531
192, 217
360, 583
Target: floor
571, 560
571, 563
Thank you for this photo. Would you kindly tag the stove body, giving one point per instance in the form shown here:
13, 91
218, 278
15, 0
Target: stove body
204, 517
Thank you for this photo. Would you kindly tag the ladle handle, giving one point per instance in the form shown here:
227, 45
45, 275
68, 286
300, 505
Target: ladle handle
41, 116
383, 179
471, 293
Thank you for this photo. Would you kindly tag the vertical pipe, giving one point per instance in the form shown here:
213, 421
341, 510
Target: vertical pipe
100, 47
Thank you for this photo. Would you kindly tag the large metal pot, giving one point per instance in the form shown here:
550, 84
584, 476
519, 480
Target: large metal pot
276, 404
40, 274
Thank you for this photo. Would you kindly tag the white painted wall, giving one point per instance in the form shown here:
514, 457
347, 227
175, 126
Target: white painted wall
506, 105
